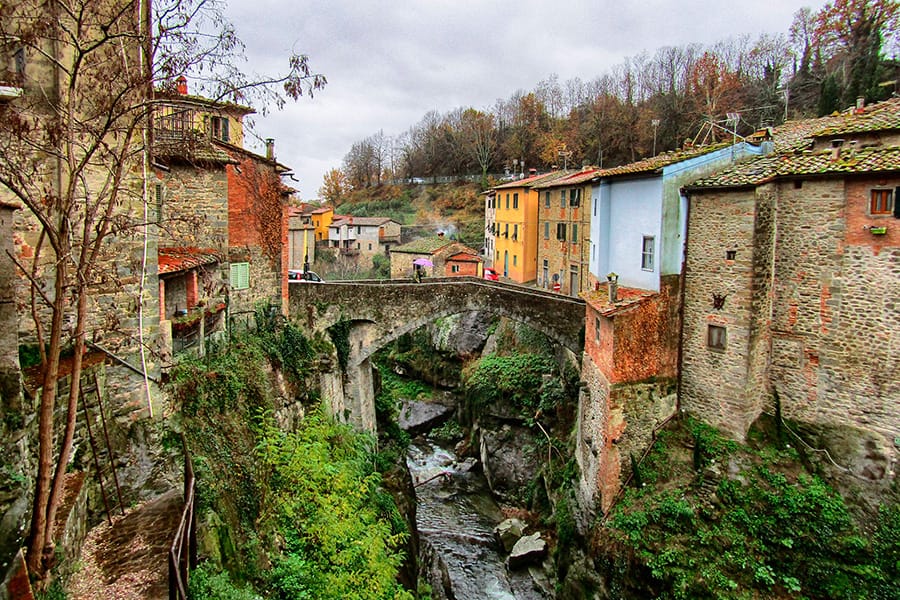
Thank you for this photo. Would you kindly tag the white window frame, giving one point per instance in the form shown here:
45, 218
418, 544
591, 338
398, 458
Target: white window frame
648, 259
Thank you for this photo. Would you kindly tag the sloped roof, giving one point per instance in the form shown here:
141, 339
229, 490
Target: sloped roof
175, 98
793, 156
465, 257
190, 147
178, 259
569, 178
655, 164
883, 116
532, 181
362, 221
231, 148
761, 170
426, 245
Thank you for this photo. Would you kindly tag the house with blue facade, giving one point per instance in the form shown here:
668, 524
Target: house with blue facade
638, 222
639, 214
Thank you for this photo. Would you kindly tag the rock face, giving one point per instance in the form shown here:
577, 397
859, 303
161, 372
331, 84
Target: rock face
417, 417
530, 549
464, 334
509, 532
509, 459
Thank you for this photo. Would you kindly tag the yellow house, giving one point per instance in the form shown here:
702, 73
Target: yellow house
321, 220
515, 227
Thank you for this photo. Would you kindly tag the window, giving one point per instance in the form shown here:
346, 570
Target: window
595, 207
547, 199
507, 201
240, 276
358, 229
881, 203
715, 337
575, 197
515, 232
546, 269
647, 253
506, 231
19, 59
454, 269
597, 329
574, 233
515, 256
159, 202
561, 231
546, 230
370, 246
220, 128
562, 198
730, 254
515, 200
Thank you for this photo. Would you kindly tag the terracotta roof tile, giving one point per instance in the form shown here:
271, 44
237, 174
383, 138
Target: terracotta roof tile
532, 181
765, 168
192, 147
176, 260
579, 177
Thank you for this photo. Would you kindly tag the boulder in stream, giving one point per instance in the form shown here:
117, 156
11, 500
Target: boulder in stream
530, 549
509, 532
417, 417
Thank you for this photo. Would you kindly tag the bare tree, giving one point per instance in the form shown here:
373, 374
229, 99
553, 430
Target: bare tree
74, 152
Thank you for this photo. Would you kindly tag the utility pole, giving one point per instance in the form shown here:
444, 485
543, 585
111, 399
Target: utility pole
655, 123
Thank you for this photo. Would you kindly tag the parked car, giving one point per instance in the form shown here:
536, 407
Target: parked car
297, 276
490, 274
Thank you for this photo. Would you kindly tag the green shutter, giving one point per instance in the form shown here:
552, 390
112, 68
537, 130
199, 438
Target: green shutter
240, 276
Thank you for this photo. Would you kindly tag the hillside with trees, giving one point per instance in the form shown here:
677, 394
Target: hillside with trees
648, 104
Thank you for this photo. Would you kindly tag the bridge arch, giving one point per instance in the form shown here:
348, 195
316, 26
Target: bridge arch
381, 311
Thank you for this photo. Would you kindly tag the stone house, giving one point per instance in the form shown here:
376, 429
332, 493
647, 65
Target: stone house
791, 282
564, 222
223, 219
364, 236
449, 258
511, 220
104, 140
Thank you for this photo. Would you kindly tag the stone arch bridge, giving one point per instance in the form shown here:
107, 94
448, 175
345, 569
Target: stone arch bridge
380, 311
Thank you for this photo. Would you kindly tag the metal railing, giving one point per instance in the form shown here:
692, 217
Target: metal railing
183, 552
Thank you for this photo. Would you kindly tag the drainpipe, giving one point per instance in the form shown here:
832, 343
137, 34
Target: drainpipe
682, 278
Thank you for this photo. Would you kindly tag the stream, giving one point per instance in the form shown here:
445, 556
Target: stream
456, 516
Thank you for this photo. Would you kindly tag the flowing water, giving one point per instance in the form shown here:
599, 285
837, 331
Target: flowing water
456, 516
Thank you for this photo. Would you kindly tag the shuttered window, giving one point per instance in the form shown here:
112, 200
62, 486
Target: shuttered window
240, 276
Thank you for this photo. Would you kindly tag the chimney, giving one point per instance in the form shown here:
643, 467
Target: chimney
860, 105
612, 287
270, 148
836, 148
181, 85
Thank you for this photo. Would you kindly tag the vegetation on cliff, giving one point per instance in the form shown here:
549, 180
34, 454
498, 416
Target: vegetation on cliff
710, 518
289, 514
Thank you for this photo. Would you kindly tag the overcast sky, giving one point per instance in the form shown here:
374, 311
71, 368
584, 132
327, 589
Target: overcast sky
390, 62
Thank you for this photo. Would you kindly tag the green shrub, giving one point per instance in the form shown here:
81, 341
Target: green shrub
206, 583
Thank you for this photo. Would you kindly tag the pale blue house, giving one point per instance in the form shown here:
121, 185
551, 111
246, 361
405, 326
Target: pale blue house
638, 218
